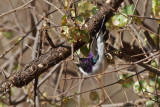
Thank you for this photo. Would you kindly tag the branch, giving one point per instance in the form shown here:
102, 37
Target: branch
38, 66
122, 55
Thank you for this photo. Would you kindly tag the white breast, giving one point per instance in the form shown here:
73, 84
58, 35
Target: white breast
101, 63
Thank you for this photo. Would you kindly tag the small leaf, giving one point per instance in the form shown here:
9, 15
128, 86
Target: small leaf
136, 87
149, 103
86, 9
2, 104
84, 36
139, 86
156, 9
154, 64
70, 40
9, 34
80, 19
94, 10
16, 66
128, 10
110, 25
94, 96
64, 20
143, 83
85, 50
149, 89
66, 4
126, 83
69, 102
74, 33
119, 20
78, 51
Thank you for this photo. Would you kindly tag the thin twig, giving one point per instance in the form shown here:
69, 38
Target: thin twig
16, 9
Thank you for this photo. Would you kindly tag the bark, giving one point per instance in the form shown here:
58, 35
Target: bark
38, 66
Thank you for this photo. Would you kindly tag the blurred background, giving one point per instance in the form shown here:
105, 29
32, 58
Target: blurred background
18, 17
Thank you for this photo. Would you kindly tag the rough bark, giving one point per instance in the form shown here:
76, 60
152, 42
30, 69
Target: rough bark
38, 66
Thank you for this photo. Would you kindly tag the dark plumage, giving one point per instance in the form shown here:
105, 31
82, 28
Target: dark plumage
87, 63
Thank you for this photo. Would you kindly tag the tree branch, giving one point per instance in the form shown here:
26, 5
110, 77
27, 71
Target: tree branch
38, 66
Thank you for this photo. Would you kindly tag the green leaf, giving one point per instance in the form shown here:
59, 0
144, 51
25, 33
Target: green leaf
70, 40
86, 9
128, 10
64, 20
94, 96
154, 64
85, 50
84, 36
94, 10
143, 83
16, 66
75, 33
80, 19
66, 4
9, 34
139, 86
85, 6
126, 83
78, 52
149, 103
110, 25
149, 89
2, 104
120, 20
156, 9
69, 102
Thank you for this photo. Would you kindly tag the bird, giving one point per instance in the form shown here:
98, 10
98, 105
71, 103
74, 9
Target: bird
97, 61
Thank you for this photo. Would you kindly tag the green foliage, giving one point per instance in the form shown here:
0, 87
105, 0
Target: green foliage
137, 86
85, 50
156, 9
128, 10
69, 102
154, 64
148, 87
120, 20
144, 86
85, 10
84, 36
126, 83
8, 34
16, 66
2, 105
154, 37
94, 96
149, 103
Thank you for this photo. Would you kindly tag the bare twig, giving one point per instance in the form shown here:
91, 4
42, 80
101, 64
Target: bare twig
16, 9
